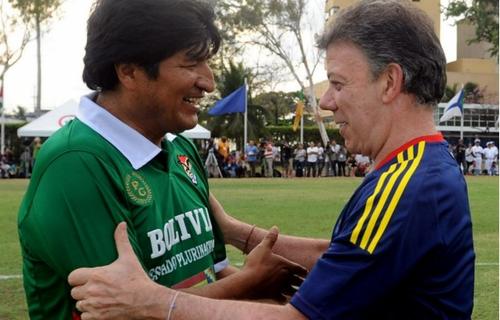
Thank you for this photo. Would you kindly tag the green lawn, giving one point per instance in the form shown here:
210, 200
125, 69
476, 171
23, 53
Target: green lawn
307, 207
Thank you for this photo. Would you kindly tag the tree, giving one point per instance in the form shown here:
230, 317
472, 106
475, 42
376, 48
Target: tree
277, 26
231, 125
278, 104
11, 47
36, 13
11, 50
20, 113
481, 13
472, 93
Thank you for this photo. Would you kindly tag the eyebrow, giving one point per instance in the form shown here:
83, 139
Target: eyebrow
331, 76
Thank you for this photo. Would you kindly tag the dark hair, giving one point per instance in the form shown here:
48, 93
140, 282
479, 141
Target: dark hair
145, 32
393, 31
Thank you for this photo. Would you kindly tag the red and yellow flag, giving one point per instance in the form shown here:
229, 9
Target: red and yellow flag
299, 111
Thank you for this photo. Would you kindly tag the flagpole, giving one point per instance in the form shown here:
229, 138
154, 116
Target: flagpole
302, 128
245, 132
462, 124
462, 118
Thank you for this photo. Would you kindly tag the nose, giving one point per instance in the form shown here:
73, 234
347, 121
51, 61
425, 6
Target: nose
205, 79
327, 101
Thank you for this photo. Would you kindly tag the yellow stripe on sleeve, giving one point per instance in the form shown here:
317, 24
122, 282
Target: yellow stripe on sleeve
369, 203
381, 204
395, 200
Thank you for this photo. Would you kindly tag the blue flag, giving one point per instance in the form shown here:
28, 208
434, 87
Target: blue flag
233, 103
454, 108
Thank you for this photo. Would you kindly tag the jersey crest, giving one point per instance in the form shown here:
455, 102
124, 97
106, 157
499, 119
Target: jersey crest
186, 165
138, 191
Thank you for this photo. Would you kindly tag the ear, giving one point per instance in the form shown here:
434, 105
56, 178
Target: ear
128, 74
393, 78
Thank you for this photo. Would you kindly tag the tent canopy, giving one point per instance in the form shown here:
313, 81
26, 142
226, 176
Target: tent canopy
52, 121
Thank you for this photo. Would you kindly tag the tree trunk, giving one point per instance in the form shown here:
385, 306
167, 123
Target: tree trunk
39, 66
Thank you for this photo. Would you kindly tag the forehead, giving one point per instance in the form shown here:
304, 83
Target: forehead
344, 59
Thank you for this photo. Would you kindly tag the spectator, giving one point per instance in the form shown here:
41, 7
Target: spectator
287, 160
321, 159
25, 163
223, 148
251, 153
37, 144
341, 161
460, 154
491, 157
269, 159
469, 159
300, 160
312, 160
334, 147
477, 153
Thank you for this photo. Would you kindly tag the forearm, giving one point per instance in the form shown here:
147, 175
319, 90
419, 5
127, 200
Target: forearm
187, 307
231, 283
305, 251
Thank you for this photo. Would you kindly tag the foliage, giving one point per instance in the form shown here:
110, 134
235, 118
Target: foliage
472, 93
20, 113
10, 49
276, 26
36, 13
33, 11
483, 14
278, 104
449, 92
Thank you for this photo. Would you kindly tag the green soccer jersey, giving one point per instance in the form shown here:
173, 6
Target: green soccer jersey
83, 186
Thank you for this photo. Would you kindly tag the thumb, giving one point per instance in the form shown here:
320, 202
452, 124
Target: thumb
122, 242
270, 238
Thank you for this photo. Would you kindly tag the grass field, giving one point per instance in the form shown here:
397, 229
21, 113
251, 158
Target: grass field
306, 207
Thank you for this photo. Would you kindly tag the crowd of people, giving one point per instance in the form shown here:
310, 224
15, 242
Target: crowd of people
283, 159
22, 165
474, 159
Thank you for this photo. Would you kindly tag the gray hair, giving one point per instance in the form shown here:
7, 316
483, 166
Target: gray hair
393, 31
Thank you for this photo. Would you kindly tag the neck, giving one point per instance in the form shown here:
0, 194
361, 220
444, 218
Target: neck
125, 109
410, 122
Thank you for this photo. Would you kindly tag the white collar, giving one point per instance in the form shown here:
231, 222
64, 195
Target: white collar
134, 146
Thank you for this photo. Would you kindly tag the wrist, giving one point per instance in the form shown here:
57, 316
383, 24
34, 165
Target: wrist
160, 302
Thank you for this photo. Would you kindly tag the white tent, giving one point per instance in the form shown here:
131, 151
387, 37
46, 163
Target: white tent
50, 122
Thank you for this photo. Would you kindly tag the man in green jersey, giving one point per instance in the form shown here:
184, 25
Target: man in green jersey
146, 60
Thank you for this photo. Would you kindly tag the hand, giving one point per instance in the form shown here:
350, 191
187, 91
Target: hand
275, 277
121, 290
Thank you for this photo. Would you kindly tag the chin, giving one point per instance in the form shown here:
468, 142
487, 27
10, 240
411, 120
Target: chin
188, 124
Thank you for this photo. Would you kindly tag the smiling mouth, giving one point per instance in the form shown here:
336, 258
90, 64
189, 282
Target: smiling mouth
192, 100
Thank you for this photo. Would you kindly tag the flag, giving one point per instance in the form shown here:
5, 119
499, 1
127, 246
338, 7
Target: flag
299, 110
233, 103
454, 108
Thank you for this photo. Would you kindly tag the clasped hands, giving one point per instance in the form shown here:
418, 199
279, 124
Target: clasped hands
122, 290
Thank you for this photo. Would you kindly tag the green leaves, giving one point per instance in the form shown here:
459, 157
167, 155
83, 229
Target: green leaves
483, 14
31, 10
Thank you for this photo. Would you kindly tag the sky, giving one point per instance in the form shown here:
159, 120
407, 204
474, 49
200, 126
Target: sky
62, 61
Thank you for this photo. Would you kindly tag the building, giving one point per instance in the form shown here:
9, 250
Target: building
473, 64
